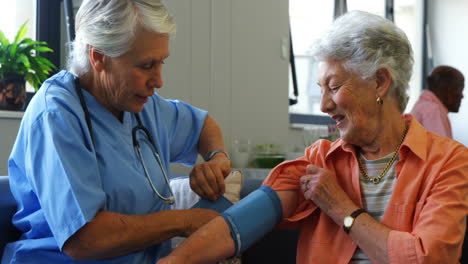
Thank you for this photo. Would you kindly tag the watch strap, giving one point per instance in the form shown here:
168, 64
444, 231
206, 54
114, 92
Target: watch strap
353, 215
211, 154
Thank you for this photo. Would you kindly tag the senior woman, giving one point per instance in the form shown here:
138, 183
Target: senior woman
387, 191
89, 168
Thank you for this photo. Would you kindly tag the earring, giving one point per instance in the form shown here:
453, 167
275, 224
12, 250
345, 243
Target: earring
379, 100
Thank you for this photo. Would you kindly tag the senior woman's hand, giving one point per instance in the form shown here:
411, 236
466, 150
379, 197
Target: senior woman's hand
207, 179
320, 186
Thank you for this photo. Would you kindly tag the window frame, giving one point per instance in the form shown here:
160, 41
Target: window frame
47, 24
296, 119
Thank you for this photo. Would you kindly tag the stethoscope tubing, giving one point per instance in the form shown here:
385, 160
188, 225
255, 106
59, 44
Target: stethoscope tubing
139, 126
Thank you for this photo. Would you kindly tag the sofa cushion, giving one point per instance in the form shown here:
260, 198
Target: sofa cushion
7, 208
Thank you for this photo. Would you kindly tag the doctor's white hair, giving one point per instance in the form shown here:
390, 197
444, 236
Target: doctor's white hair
109, 26
365, 43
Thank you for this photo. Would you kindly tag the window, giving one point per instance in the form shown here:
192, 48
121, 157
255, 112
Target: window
408, 15
308, 18
13, 14
372, 6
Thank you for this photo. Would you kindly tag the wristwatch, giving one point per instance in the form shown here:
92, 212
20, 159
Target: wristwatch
211, 154
348, 221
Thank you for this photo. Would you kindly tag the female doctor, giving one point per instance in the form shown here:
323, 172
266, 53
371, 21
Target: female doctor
89, 168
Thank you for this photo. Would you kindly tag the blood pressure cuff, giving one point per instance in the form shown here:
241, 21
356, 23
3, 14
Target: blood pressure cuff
253, 217
219, 205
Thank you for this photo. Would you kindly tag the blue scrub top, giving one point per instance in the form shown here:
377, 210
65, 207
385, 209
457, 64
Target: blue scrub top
61, 180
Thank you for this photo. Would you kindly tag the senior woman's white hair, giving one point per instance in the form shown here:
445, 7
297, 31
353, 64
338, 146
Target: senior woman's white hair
365, 43
109, 26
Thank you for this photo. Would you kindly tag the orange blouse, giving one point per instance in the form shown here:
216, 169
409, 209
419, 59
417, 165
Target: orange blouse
426, 212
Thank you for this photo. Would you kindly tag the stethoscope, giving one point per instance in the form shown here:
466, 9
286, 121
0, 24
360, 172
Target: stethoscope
136, 144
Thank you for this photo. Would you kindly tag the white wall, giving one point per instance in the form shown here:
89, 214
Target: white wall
8, 129
448, 21
226, 58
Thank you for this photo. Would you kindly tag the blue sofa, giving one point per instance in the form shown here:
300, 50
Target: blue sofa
7, 209
278, 246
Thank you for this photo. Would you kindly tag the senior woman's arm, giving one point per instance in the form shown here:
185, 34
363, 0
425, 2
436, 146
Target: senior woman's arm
321, 187
435, 237
371, 236
436, 234
213, 242
207, 179
111, 234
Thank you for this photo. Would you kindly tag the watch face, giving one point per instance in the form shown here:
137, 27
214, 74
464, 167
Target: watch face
348, 221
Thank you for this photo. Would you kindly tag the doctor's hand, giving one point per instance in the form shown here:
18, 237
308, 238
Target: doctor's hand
320, 186
207, 179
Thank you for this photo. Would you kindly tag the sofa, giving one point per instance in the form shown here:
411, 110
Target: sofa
8, 232
278, 246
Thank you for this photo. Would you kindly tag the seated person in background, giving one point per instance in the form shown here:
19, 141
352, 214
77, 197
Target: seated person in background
443, 95
89, 169
387, 191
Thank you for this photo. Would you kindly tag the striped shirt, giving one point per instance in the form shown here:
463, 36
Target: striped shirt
375, 197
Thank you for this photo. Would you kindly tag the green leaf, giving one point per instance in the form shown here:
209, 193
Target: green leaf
41, 66
28, 78
24, 59
26, 42
31, 42
38, 67
26, 45
43, 49
41, 43
45, 61
3, 40
33, 80
41, 76
21, 32
14, 47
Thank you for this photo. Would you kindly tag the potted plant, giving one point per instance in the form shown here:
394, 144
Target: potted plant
268, 155
20, 62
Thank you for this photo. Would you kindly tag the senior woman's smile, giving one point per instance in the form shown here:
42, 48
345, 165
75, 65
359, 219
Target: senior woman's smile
349, 99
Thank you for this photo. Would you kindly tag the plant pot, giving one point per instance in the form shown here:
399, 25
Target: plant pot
268, 160
12, 92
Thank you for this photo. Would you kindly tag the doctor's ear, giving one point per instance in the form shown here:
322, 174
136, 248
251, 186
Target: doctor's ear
96, 59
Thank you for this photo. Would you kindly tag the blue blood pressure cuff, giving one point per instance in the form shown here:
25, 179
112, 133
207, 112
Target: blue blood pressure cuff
219, 205
253, 217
